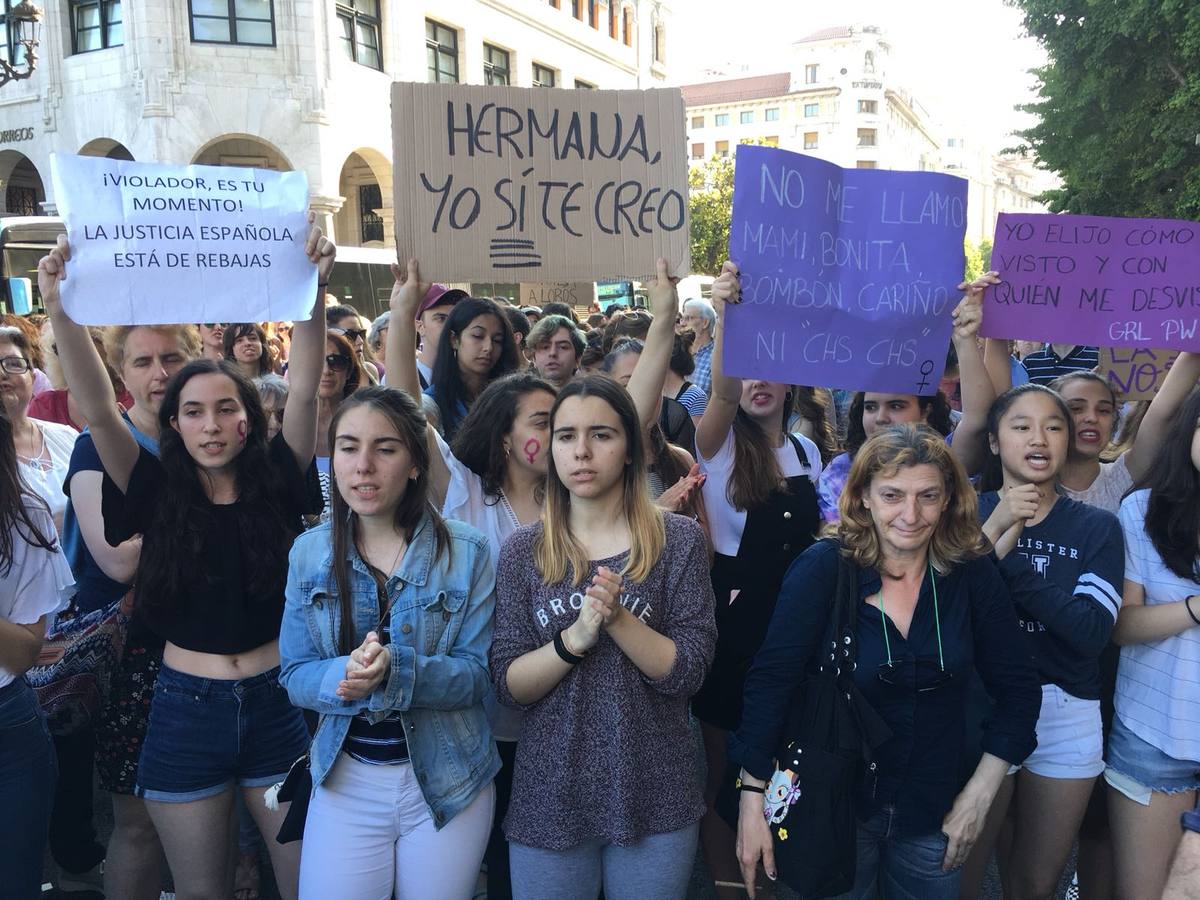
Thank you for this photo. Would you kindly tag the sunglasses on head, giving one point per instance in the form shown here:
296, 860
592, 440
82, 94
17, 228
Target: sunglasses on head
337, 362
353, 334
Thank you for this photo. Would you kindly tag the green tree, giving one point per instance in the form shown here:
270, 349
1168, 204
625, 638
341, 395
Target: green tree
1119, 104
985, 254
974, 265
711, 206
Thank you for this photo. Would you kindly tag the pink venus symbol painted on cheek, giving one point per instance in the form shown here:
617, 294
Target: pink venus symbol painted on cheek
532, 446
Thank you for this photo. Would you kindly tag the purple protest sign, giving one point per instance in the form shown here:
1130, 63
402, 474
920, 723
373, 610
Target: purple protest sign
848, 275
1096, 280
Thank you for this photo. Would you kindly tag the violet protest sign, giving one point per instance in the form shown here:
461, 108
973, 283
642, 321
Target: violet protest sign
1096, 281
159, 244
848, 276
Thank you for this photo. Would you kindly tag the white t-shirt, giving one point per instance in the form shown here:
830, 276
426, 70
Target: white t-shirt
727, 523
1113, 483
46, 478
1156, 681
38, 582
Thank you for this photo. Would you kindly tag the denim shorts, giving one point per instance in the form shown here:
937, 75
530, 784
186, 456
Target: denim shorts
1070, 739
206, 734
1137, 768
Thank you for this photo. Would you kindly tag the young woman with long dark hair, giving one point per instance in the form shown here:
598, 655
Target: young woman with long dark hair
1153, 756
1063, 561
246, 347
604, 629
871, 412
217, 513
35, 581
385, 634
476, 347
341, 375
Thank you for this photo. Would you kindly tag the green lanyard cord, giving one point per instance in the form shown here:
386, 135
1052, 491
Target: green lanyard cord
937, 621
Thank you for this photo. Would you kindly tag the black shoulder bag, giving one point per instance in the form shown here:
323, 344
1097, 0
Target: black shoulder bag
810, 801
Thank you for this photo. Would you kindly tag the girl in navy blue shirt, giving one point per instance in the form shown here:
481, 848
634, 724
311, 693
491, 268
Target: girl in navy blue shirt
1064, 564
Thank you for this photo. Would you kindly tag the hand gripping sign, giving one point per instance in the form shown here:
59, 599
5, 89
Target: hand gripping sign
157, 244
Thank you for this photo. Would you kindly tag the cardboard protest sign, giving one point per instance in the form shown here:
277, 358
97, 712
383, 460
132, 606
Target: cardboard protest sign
1136, 374
1096, 281
509, 184
156, 244
539, 293
848, 276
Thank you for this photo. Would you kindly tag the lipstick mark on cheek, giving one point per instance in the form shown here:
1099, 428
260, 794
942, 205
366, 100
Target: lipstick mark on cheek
241, 432
531, 448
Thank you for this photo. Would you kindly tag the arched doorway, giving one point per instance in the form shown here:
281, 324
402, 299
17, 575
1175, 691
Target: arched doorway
22, 188
366, 218
107, 148
242, 150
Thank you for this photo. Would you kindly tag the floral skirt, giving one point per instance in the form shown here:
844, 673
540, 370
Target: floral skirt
122, 726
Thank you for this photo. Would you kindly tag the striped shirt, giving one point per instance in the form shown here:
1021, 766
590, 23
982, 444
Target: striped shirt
1157, 681
382, 743
1045, 365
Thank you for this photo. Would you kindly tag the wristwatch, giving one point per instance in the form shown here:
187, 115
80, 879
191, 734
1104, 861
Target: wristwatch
1190, 820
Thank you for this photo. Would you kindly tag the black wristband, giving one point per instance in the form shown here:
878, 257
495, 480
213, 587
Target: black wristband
322, 284
564, 654
749, 788
1187, 604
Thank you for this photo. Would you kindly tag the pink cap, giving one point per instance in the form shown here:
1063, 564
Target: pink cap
440, 295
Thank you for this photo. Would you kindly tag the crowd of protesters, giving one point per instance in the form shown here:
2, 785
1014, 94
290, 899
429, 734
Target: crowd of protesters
518, 598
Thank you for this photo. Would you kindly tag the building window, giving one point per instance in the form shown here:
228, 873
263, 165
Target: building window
810, 140
441, 53
583, 85
233, 22
21, 201
627, 27
612, 19
746, 117
594, 14
867, 164
868, 107
697, 151
722, 148
660, 43
721, 119
577, 9
772, 114
697, 121
557, 4
95, 25
812, 110
360, 31
543, 76
495, 65
370, 223
866, 137
772, 141
810, 73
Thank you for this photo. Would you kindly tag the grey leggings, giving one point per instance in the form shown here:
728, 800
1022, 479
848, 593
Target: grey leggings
657, 866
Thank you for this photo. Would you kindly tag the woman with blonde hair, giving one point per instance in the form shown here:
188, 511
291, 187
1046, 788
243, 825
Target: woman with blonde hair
604, 630
928, 609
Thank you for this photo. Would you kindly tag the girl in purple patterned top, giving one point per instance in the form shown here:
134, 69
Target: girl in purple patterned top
604, 630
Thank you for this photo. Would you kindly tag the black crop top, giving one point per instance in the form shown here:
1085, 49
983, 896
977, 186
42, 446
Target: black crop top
214, 614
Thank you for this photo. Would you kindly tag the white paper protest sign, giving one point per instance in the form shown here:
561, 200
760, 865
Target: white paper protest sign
157, 244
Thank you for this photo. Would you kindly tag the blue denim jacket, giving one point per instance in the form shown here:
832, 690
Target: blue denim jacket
441, 629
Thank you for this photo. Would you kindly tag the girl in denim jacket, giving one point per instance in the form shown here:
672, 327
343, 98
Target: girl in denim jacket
385, 634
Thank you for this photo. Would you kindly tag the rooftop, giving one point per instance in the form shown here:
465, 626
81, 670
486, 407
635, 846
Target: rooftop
735, 90
828, 34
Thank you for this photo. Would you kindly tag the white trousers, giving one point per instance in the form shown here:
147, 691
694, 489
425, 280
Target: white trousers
370, 836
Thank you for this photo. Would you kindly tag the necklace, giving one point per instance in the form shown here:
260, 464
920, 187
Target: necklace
512, 515
35, 461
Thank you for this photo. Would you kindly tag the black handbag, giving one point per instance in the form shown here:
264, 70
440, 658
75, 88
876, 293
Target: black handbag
810, 801
296, 789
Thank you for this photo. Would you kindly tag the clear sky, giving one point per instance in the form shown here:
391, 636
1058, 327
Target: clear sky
966, 60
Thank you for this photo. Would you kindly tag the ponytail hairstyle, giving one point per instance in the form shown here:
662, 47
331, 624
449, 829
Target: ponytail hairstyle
1173, 513
15, 521
406, 416
992, 478
936, 410
556, 551
756, 473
